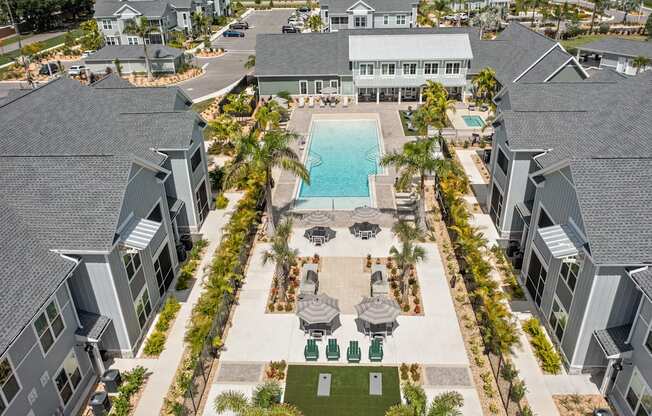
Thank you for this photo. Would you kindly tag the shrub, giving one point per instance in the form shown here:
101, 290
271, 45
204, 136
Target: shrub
168, 313
406, 308
603, 28
221, 201
155, 344
405, 371
279, 307
288, 307
133, 381
544, 350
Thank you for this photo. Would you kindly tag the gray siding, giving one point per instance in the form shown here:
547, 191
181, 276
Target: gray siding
274, 85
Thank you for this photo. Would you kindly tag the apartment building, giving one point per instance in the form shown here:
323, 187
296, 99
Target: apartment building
97, 193
368, 14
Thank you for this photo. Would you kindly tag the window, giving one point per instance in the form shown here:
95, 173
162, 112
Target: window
107, 24
409, 69
366, 69
112, 40
639, 396
400, 19
360, 21
431, 68
132, 40
156, 214
536, 278
558, 318
388, 69
338, 20
303, 87
452, 68
202, 201
496, 208
132, 263
49, 325
386, 20
184, 16
318, 86
8, 384
68, 377
333, 83
143, 306
569, 272
544, 219
648, 341
195, 160
502, 161
163, 270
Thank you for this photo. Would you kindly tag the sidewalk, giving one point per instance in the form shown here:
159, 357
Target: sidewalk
163, 368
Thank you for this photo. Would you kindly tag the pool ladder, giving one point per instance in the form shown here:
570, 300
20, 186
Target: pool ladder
372, 156
314, 159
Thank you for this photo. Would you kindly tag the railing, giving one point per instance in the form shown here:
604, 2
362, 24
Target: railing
420, 73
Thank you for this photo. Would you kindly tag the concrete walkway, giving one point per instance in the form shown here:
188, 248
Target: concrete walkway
163, 368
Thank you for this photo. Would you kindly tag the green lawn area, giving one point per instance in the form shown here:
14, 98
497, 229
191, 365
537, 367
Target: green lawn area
571, 44
9, 57
13, 39
349, 394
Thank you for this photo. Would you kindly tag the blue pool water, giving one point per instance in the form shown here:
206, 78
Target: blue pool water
341, 156
473, 121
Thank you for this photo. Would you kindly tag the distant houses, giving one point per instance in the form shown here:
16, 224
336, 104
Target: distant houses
617, 54
131, 59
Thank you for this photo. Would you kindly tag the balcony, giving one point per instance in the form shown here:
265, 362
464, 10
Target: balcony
408, 80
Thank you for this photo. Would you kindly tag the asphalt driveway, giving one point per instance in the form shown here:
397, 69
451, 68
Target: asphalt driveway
229, 68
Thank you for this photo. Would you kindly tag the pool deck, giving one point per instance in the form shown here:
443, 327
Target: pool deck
460, 126
392, 139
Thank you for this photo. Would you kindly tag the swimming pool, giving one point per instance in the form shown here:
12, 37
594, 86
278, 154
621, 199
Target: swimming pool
473, 121
341, 156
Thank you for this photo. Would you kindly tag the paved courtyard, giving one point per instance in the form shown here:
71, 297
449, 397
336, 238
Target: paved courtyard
433, 340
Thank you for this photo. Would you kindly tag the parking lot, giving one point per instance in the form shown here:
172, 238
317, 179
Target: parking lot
229, 68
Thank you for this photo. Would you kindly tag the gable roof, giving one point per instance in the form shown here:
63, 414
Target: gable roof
620, 46
112, 80
382, 6
410, 47
147, 8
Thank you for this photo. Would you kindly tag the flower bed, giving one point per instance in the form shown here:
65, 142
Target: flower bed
580, 405
209, 53
188, 270
411, 373
163, 80
133, 382
155, 343
414, 304
275, 370
548, 358
275, 303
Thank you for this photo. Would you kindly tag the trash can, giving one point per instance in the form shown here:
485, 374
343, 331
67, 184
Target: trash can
186, 240
111, 380
100, 403
181, 253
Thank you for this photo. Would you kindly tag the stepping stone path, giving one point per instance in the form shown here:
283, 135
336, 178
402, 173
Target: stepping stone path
239, 372
448, 376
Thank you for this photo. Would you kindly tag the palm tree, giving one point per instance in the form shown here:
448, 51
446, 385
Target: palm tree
444, 404
536, 4
265, 401
250, 62
627, 6
559, 13
238, 104
417, 158
224, 128
640, 62
201, 23
423, 13
406, 257
433, 91
142, 29
486, 86
440, 8
281, 253
599, 6
447, 404
268, 115
272, 151
315, 23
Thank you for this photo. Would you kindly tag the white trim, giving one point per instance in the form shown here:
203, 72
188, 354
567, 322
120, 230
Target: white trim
126, 6
432, 62
307, 90
416, 68
452, 75
321, 81
14, 372
360, 2
536, 62
58, 370
192, 193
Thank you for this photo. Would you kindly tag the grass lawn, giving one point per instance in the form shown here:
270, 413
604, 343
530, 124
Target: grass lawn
349, 394
9, 57
571, 44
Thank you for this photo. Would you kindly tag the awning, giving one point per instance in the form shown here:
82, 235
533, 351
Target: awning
92, 326
174, 206
643, 279
561, 240
524, 210
138, 233
614, 340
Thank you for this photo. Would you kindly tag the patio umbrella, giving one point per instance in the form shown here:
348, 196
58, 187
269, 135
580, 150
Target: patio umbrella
318, 309
378, 310
326, 232
364, 226
365, 213
329, 90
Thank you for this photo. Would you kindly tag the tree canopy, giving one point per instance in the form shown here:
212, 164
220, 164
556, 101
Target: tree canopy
41, 15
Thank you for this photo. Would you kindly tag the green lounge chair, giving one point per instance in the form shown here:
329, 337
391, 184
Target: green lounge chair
332, 350
311, 352
353, 353
375, 351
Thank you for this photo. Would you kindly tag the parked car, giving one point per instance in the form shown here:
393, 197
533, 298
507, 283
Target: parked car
239, 25
77, 70
304, 9
49, 68
289, 29
86, 54
298, 25
233, 34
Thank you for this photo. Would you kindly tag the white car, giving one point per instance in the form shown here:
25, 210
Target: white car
77, 70
86, 54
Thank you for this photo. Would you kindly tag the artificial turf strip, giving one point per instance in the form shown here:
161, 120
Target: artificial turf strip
349, 394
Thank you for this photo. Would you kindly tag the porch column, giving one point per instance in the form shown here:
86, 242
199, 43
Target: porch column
357, 94
377, 95
420, 97
399, 96
607, 377
98, 359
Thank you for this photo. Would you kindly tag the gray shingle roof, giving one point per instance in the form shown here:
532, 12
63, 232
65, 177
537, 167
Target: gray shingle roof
614, 198
643, 280
92, 325
341, 6
604, 75
546, 66
112, 80
153, 9
620, 46
133, 52
613, 340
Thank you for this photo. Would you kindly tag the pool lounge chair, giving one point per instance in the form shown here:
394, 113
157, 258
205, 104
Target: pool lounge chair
301, 102
345, 102
321, 103
311, 351
311, 102
333, 103
376, 351
332, 350
353, 353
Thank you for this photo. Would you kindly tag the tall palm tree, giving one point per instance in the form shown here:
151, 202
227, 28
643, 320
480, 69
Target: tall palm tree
201, 23
486, 86
282, 254
560, 12
268, 115
272, 151
423, 13
250, 62
440, 8
265, 402
238, 103
599, 6
433, 91
224, 128
417, 159
444, 404
640, 62
315, 23
143, 29
407, 256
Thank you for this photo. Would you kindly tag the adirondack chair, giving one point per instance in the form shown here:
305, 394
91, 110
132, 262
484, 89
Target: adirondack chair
375, 351
311, 351
332, 350
353, 353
